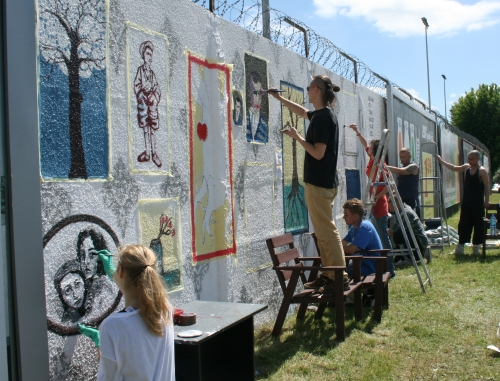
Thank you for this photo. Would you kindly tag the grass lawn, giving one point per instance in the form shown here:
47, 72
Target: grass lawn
439, 335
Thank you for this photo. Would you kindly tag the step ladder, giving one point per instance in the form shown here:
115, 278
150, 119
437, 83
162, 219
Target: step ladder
437, 205
379, 169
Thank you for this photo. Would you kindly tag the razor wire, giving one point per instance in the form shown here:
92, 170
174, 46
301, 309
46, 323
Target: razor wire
293, 35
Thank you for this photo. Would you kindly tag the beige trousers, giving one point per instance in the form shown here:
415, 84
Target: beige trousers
320, 203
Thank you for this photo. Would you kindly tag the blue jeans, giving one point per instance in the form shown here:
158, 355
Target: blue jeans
381, 225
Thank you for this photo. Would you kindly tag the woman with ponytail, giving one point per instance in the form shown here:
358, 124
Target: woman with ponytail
320, 173
138, 342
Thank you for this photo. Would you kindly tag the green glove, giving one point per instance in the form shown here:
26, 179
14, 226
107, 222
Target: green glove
91, 333
107, 261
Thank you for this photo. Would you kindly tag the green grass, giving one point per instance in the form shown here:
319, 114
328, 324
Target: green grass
439, 335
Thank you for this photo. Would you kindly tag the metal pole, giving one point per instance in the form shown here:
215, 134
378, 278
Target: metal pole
445, 109
212, 6
266, 19
424, 20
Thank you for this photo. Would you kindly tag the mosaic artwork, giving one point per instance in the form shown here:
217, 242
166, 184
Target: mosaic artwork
400, 134
121, 195
77, 291
427, 185
210, 159
159, 229
237, 109
73, 116
257, 101
451, 180
294, 202
259, 185
406, 135
147, 64
352, 177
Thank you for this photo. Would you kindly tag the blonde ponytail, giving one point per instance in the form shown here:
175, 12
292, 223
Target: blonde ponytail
139, 264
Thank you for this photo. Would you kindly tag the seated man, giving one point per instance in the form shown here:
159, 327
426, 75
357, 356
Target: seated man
362, 235
417, 227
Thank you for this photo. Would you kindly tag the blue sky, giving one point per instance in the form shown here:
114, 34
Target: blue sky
389, 37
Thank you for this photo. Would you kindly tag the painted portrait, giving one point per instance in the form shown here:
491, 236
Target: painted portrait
295, 214
72, 101
147, 67
210, 159
238, 109
257, 101
159, 229
77, 291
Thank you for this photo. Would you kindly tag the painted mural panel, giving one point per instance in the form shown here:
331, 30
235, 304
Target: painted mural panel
237, 109
451, 180
400, 133
257, 101
78, 291
294, 203
73, 115
427, 185
210, 159
259, 185
159, 228
147, 68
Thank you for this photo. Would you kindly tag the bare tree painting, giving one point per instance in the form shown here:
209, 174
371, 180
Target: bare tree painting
294, 205
72, 37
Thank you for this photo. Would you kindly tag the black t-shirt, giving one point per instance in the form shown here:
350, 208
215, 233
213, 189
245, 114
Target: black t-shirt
323, 128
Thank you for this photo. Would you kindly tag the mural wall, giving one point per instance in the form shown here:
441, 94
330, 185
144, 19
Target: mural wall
450, 149
159, 131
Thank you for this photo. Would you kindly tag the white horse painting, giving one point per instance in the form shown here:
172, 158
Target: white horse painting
215, 188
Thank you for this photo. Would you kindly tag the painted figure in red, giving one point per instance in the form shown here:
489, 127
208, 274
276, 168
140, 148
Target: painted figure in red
148, 95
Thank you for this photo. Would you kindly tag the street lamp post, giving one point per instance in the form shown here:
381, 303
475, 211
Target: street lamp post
424, 20
444, 84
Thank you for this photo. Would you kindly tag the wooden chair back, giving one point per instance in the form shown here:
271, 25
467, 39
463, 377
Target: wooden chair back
282, 251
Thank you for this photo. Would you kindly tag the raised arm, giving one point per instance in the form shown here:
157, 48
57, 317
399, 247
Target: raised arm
411, 169
363, 141
451, 167
292, 106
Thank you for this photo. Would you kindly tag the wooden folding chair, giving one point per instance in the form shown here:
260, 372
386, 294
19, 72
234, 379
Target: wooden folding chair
289, 275
378, 281
493, 209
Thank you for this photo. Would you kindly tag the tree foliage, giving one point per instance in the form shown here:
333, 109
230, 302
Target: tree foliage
478, 113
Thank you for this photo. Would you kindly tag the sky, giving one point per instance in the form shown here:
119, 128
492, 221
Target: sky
389, 37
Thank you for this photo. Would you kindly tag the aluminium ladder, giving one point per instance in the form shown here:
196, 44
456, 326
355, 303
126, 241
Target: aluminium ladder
379, 168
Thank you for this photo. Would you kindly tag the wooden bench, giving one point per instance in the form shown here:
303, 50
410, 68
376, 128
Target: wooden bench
378, 281
493, 209
289, 275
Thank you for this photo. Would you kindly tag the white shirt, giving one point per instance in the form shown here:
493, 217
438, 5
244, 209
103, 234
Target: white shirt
129, 351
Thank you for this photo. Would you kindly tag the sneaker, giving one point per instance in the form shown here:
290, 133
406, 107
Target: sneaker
476, 249
329, 287
320, 281
458, 250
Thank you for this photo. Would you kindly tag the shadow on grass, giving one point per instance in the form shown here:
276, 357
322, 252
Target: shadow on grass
310, 335
469, 258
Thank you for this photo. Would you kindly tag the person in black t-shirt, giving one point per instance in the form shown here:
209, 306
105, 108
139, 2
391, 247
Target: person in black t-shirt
475, 198
320, 173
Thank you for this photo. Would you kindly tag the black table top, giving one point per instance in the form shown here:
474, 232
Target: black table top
213, 318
